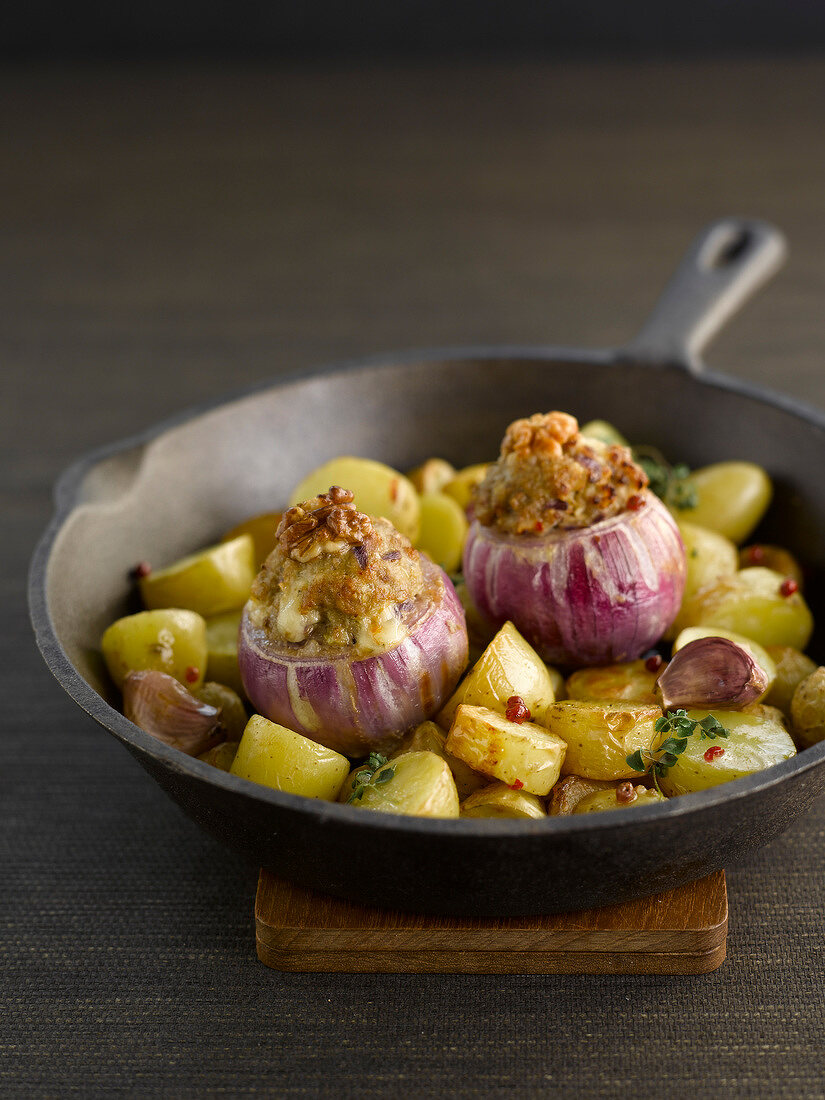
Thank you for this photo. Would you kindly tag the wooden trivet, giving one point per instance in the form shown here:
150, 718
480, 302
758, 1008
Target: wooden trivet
682, 931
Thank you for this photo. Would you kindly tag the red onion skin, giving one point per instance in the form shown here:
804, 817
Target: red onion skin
359, 706
583, 596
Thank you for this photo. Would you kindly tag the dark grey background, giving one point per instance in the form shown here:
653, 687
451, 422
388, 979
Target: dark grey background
376, 28
171, 233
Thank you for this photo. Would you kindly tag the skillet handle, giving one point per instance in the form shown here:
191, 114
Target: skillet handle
725, 265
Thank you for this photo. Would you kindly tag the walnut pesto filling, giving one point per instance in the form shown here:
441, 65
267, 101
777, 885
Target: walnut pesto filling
549, 476
337, 578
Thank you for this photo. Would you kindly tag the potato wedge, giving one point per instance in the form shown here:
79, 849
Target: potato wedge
600, 801
222, 649
443, 530
421, 785
600, 736
755, 741
460, 487
772, 557
792, 667
431, 476
172, 640
709, 556
262, 529
274, 756
808, 709
428, 737
499, 800
221, 756
210, 582
731, 497
523, 755
630, 682
751, 603
379, 490
508, 666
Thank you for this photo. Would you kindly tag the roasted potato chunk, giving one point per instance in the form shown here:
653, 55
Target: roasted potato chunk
792, 667
569, 791
222, 649
808, 709
523, 754
631, 682
600, 736
731, 498
443, 530
421, 784
210, 582
499, 800
428, 737
619, 798
508, 666
261, 529
460, 487
277, 757
172, 641
431, 476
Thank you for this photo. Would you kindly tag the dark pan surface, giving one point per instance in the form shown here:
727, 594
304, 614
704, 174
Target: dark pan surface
178, 487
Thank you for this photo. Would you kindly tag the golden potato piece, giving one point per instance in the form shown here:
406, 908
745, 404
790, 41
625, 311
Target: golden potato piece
443, 530
808, 709
262, 530
499, 800
604, 432
620, 797
221, 756
755, 603
709, 556
431, 476
792, 667
772, 557
172, 641
731, 497
755, 741
274, 756
210, 582
600, 736
421, 785
222, 649
508, 666
630, 682
460, 487
428, 737
523, 754
378, 489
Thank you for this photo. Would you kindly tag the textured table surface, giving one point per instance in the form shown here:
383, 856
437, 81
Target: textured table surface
170, 235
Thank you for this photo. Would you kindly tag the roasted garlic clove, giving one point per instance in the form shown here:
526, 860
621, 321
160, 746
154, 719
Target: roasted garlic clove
162, 706
711, 672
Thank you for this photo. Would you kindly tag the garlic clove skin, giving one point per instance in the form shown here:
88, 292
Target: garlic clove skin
163, 707
709, 673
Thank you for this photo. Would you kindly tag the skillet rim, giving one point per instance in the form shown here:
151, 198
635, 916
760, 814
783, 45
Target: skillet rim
67, 497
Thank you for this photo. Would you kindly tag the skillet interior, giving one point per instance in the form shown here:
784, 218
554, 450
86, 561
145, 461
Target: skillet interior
166, 494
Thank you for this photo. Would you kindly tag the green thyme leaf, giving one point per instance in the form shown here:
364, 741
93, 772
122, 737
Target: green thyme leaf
667, 482
366, 776
680, 726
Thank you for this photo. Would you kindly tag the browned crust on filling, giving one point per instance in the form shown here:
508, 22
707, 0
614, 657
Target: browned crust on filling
550, 476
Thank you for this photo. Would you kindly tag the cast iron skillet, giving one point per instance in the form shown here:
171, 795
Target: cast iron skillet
178, 486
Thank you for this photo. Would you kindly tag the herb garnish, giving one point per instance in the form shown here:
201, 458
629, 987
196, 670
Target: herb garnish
365, 776
681, 728
666, 481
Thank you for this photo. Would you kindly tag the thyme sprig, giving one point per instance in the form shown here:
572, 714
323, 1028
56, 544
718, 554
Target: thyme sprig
667, 482
680, 728
366, 776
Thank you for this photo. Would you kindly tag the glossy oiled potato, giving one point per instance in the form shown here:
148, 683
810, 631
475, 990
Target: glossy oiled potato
261, 529
600, 736
808, 709
378, 489
221, 756
421, 785
508, 666
428, 737
709, 556
460, 487
172, 641
222, 649
443, 530
631, 682
792, 667
731, 498
751, 603
772, 557
210, 582
431, 476
756, 741
278, 757
610, 800
499, 800
604, 432
521, 754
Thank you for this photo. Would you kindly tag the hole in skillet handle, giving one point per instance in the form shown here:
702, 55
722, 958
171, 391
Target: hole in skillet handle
728, 251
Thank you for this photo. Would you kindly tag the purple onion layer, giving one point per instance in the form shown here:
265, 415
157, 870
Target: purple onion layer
357, 706
583, 596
